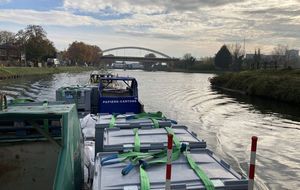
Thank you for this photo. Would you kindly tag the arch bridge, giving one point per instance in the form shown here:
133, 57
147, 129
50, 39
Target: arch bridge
163, 58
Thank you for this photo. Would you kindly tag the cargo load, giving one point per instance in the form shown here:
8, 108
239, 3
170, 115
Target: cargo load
81, 96
122, 140
209, 173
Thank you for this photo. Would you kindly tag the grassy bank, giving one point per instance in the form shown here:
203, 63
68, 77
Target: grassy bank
283, 85
13, 72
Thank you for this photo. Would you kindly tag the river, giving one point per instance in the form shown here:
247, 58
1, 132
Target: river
225, 121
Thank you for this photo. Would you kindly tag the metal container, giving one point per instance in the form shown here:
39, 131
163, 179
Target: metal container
183, 177
116, 139
81, 96
121, 121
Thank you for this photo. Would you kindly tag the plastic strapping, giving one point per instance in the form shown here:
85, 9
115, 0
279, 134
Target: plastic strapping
154, 117
112, 121
200, 173
137, 142
144, 179
155, 122
175, 139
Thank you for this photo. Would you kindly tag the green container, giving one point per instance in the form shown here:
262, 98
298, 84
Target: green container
40, 147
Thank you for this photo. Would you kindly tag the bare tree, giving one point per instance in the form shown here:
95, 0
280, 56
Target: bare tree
189, 60
237, 53
279, 55
257, 58
6, 37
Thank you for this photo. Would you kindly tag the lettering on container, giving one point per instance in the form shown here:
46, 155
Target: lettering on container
118, 101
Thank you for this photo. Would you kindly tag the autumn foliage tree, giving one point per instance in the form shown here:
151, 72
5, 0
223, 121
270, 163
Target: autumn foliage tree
80, 53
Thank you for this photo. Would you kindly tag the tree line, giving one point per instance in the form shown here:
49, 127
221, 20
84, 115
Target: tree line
31, 45
233, 57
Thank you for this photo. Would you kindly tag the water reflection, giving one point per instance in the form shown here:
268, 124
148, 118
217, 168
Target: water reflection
265, 106
225, 120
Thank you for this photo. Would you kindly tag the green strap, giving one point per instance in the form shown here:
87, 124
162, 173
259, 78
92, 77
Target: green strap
112, 121
155, 122
175, 139
144, 179
155, 115
176, 150
200, 173
175, 153
130, 155
137, 142
162, 159
21, 100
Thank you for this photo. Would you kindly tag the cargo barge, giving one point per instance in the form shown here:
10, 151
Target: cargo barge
99, 137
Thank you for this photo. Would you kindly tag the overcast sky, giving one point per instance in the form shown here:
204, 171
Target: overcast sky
173, 27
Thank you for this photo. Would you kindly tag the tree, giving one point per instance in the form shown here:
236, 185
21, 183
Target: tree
223, 58
7, 37
291, 58
148, 64
7, 40
34, 43
150, 55
81, 53
257, 58
237, 56
38, 49
279, 57
188, 60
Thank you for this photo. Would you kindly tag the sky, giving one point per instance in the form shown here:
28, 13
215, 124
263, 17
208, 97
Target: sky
174, 27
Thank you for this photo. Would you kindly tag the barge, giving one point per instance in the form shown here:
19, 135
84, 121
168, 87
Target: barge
99, 137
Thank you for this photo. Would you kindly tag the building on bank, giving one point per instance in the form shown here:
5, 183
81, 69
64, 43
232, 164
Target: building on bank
291, 59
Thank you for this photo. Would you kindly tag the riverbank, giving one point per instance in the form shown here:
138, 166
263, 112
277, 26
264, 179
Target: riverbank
283, 85
17, 72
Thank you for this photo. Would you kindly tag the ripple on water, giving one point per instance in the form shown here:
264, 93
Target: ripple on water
225, 122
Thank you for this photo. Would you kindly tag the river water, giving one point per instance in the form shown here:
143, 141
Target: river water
225, 121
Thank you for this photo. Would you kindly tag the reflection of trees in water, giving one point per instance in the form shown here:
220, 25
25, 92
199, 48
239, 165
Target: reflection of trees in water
265, 105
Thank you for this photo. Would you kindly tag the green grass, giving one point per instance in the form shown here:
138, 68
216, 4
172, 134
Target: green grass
283, 85
32, 71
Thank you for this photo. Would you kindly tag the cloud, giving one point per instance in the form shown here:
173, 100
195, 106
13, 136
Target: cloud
143, 6
192, 23
52, 17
